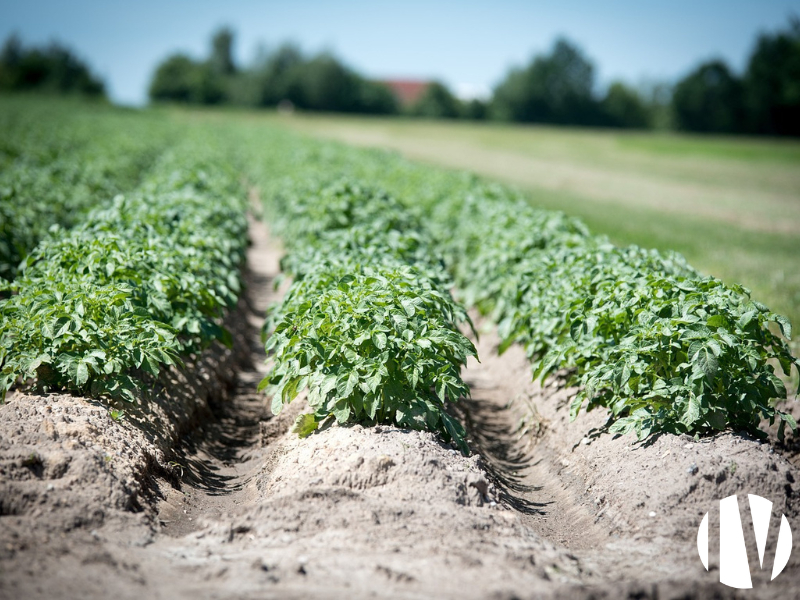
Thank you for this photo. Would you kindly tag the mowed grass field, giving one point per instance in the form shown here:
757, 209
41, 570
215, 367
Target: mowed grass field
731, 205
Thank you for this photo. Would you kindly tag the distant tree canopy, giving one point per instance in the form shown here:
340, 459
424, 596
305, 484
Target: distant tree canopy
772, 83
181, 79
221, 60
554, 88
286, 75
624, 107
475, 109
50, 69
709, 99
765, 100
557, 87
321, 83
437, 102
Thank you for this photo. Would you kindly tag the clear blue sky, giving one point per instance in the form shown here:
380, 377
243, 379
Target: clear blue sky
466, 44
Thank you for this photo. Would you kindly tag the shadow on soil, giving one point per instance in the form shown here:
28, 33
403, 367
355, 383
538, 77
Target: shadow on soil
206, 455
490, 428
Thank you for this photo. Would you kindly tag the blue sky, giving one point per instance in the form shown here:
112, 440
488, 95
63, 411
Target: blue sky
469, 45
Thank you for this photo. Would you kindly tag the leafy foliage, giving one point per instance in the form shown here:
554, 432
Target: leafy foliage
181, 79
659, 345
58, 163
368, 325
99, 309
771, 93
437, 102
764, 100
321, 82
662, 347
624, 106
553, 88
709, 99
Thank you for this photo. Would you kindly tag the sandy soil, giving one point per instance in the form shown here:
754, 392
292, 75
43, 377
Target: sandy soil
628, 510
206, 495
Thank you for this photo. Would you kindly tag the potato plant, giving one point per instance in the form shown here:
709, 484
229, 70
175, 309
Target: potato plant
660, 346
99, 309
368, 326
57, 164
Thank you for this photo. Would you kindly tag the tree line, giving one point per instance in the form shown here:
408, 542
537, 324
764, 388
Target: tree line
52, 69
556, 87
764, 100
284, 76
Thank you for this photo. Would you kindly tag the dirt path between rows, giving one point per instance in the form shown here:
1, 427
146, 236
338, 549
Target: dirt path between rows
211, 497
625, 509
222, 454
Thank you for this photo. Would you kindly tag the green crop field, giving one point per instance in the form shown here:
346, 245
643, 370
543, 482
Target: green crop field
226, 308
133, 258
730, 205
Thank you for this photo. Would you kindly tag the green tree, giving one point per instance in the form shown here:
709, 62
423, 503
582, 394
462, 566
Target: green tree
181, 79
277, 77
709, 99
221, 60
319, 83
772, 83
475, 109
553, 88
376, 98
624, 107
329, 85
437, 102
51, 69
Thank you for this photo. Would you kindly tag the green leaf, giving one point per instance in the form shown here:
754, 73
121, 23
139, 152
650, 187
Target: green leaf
692, 413
276, 405
341, 411
305, 425
707, 362
371, 403
455, 432
778, 386
81, 374
289, 391
717, 321
785, 325
790, 420
379, 339
151, 365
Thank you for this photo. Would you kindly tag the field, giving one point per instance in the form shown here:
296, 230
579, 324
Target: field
729, 205
242, 362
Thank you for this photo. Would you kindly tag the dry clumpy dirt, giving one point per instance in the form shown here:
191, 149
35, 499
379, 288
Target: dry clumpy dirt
206, 494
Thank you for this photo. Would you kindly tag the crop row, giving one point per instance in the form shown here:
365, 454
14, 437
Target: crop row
368, 324
56, 165
644, 335
99, 309
659, 345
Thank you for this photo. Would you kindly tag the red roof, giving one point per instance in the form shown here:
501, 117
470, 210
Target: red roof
408, 91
